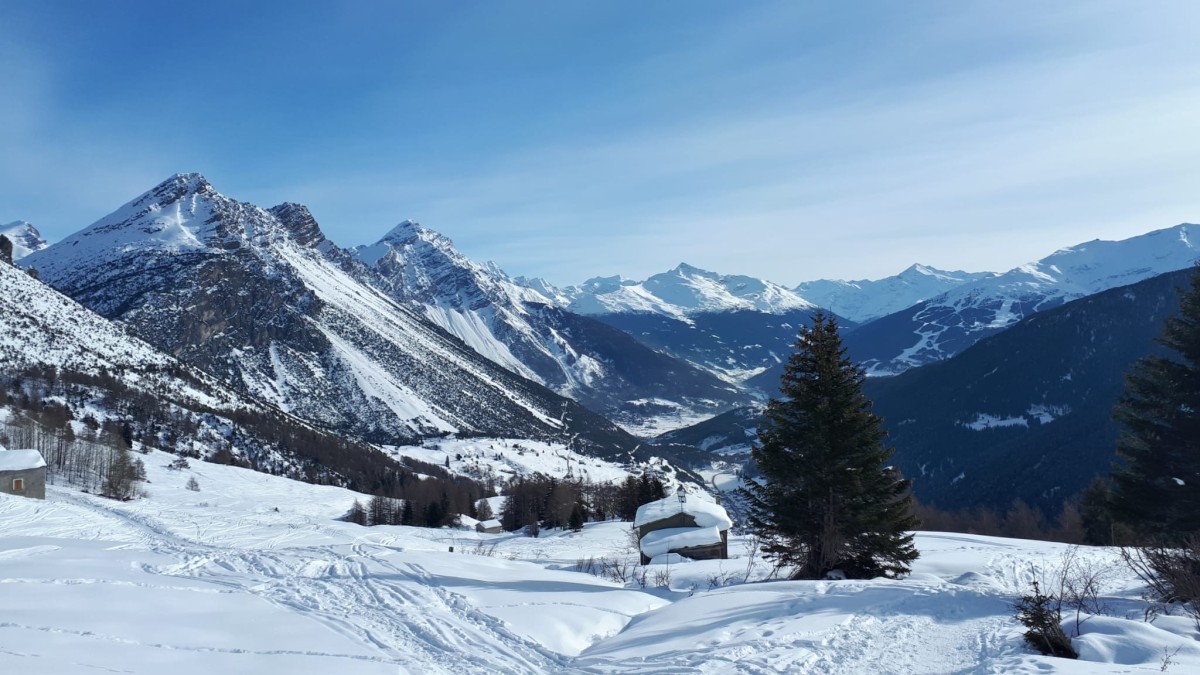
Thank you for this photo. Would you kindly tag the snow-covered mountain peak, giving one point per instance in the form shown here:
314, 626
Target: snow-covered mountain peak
682, 291
866, 299
917, 270
24, 236
410, 238
947, 323
1096, 265
685, 270
177, 187
183, 215
404, 231
606, 284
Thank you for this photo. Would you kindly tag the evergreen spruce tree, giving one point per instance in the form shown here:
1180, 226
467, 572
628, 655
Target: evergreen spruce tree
1156, 491
829, 502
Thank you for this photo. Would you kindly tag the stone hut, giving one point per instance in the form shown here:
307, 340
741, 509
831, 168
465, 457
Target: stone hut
22, 473
693, 528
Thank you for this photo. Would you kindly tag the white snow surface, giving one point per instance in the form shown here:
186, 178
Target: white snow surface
254, 574
477, 302
996, 302
507, 457
705, 512
865, 299
41, 327
680, 292
20, 460
25, 238
1081, 270
985, 421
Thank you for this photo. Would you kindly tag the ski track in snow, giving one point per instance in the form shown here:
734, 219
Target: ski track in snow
255, 574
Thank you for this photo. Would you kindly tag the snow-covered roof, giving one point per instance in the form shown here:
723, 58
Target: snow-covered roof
20, 460
675, 538
707, 514
489, 524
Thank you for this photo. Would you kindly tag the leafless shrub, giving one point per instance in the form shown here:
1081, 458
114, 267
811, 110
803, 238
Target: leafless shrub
1078, 586
586, 565
719, 579
482, 548
662, 576
1167, 659
1171, 574
753, 546
618, 570
613, 569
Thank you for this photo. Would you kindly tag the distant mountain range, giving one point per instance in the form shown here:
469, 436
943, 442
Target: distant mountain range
527, 332
680, 293
1025, 413
54, 351
939, 328
1000, 383
260, 298
865, 300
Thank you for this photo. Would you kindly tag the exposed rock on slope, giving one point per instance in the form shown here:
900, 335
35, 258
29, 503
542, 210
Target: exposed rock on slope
521, 329
259, 297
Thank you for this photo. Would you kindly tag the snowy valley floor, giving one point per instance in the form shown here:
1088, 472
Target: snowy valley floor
253, 574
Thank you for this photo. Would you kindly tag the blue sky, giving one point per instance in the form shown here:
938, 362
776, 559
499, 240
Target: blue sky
789, 140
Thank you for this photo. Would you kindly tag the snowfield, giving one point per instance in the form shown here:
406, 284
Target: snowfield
254, 574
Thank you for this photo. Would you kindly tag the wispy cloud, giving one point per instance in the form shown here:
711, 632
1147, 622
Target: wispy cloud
785, 140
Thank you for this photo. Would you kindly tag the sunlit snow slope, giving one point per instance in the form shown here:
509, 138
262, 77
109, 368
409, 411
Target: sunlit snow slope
253, 574
261, 298
24, 237
524, 331
866, 299
947, 324
682, 291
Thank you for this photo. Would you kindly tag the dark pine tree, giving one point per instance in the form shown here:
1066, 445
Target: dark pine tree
575, 522
829, 501
1156, 489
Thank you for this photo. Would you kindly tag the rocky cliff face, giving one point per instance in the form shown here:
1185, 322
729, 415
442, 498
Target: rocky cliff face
260, 298
528, 333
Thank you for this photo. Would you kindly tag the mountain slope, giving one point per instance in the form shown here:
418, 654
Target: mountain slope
943, 326
1025, 413
522, 330
40, 327
24, 237
55, 351
261, 298
864, 299
734, 345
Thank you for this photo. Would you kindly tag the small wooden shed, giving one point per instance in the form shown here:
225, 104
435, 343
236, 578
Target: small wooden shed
693, 528
489, 527
22, 473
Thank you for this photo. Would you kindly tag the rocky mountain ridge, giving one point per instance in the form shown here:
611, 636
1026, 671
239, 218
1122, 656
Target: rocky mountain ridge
260, 298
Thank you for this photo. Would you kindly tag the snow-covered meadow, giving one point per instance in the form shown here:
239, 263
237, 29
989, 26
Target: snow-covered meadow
254, 574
